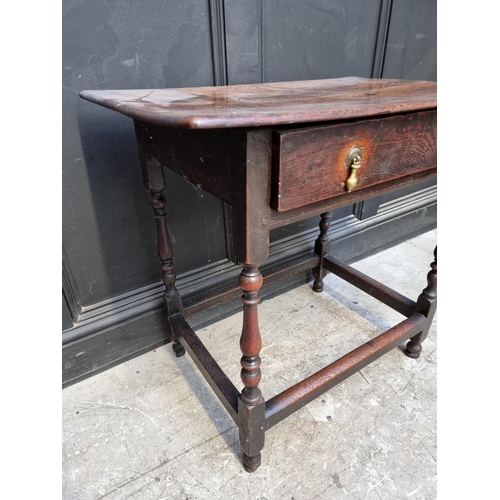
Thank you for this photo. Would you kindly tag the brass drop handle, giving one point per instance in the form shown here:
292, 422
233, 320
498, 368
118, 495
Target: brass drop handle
353, 162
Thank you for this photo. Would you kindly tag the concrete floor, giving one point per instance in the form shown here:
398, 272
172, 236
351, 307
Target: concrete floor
152, 429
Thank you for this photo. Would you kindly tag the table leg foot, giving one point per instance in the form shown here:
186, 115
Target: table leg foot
178, 349
251, 464
426, 305
318, 285
321, 247
413, 349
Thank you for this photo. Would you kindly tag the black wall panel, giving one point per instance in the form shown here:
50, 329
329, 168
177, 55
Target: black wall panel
318, 39
108, 231
412, 41
111, 288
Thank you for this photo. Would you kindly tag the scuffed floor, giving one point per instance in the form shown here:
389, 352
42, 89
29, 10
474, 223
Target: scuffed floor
152, 429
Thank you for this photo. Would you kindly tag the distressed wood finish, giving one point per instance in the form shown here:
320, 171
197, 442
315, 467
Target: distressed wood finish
250, 192
310, 164
269, 174
269, 104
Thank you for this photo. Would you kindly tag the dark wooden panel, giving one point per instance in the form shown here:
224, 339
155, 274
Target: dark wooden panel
67, 321
411, 51
243, 22
280, 41
218, 39
384, 20
128, 44
318, 38
391, 147
207, 158
105, 201
123, 44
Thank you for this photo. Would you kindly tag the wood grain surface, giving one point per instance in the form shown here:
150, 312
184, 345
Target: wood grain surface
270, 103
309, 164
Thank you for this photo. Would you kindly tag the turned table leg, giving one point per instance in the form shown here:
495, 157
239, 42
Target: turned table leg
251, 405
426, 305
155, 182
321, 247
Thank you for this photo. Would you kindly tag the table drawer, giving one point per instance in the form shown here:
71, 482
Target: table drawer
309, 164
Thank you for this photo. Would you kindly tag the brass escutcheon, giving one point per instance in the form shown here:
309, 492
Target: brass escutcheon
352, 161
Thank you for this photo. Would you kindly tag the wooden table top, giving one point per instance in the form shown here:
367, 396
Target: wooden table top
267, 104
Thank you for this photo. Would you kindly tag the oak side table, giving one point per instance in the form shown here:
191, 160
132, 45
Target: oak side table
276, 153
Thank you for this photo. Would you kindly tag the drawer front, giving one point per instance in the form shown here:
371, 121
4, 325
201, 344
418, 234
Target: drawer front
309, 164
